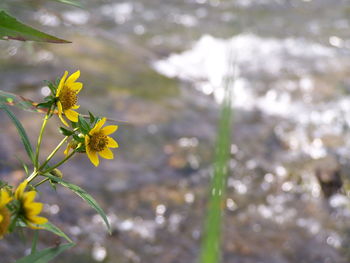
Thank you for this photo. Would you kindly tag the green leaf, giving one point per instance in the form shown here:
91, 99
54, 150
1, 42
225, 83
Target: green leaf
66, 132
45, 105
21, 131
10, 28
78, 139
45, 255
74, 124
92, 117
81, 149
84, 195
211, 242
84, 126
54, 229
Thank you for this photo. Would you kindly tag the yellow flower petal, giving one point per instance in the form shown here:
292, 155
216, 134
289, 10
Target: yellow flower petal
92, 156
77, 86
29, 196
75, 107
106, 153
1, 218
63, 120
39, 220
66, 151
32, 209
61, 85
87, 140
98, 126
72, 78
109, 129
72, 115
59, 107
112, 143
20, 190
5, 197
29, 209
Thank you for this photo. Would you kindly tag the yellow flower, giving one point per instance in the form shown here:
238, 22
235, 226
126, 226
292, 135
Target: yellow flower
67, 92
29, 209
98, 143
4, 212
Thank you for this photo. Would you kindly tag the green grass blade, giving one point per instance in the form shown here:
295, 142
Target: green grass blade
45, 255
211, 240
84, 195
21, 131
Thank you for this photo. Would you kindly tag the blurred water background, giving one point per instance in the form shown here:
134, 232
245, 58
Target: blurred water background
159, 65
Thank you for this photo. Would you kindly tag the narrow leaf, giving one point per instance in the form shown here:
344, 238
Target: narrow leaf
54, 229
211, 242
84, 195
11, 28
21, 131
66, 132
45, 255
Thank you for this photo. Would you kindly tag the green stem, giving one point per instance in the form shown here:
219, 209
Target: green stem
53, 152
59, 163
35, 241
36, 160
41, 182
35, 173
32, 176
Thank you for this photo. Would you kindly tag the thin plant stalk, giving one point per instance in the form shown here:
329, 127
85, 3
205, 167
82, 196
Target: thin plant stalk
37, 172
43, 126
54, 152
211, 240
59, 163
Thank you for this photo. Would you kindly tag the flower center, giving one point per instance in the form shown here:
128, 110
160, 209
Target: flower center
98, 142
68, 98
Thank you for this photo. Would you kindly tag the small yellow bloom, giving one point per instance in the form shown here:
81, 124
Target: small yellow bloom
4, 212
67, 92
98, 143
29, 209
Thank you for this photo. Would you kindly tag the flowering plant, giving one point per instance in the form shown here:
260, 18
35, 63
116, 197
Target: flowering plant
82, 134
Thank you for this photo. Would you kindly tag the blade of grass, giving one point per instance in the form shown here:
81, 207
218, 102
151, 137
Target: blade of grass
211, 240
